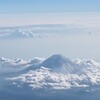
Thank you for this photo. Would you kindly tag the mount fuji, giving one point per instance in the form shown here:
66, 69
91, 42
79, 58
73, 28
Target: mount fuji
59, 63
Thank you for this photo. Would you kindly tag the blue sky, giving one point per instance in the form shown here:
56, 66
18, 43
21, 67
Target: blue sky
84, 13
22, 12
44, 6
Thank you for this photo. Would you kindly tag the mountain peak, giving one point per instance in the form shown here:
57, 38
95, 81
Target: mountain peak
57, 57
59, 63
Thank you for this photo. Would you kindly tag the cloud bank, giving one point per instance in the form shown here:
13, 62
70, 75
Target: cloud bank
59, 73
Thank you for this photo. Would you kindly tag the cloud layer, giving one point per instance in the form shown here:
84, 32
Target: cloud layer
70, 24
86, 75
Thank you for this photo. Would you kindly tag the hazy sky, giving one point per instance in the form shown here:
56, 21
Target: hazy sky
49, 18
73, 13
40, 6
22, 12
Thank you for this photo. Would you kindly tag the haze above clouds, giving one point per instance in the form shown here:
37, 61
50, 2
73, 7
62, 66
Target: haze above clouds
78, 35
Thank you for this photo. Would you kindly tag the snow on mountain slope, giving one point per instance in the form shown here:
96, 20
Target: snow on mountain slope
59, 63
59, 72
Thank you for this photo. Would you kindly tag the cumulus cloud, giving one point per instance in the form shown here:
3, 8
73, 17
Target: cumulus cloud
8, 65
46, 77
31, 31
51, 30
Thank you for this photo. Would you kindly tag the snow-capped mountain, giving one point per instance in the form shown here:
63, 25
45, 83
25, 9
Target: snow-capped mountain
59, 63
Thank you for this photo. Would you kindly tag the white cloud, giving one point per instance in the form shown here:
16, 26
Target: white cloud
7, 65
46, 78
87, 75
48, 30
15, 65
71, 23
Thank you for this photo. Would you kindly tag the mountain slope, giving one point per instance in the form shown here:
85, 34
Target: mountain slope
59, 63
